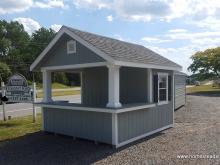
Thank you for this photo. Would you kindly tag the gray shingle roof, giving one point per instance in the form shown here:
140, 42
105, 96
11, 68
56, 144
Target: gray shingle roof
124, 51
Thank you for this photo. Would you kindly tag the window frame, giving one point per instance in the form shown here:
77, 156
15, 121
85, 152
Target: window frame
162, 74
68, 46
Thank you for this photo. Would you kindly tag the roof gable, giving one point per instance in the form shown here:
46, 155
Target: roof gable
58, 55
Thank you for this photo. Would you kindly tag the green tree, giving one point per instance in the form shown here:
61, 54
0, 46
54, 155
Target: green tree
39, 40
206, 63
5, 72
13, 42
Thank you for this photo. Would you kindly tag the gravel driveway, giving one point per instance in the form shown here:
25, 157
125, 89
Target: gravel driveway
196, 132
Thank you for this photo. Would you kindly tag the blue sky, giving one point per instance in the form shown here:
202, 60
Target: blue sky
175, 29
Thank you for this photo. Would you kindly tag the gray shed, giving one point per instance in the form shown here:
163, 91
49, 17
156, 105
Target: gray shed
180, 89
127, 90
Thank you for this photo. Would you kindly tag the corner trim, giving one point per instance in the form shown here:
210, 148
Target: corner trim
115, 129
144, 135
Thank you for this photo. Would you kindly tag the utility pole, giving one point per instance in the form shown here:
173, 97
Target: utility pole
34, 100
3, 103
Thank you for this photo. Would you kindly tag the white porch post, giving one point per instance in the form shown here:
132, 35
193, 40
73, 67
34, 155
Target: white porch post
113, 86
47, 86
150, 86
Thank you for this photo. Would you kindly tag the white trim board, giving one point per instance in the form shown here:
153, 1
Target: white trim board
114, 129
105, 110
144, 135
74, 66
142, 65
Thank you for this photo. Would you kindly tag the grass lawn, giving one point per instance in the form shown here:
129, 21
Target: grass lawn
60, 93
203, 89
55, 86
17, 127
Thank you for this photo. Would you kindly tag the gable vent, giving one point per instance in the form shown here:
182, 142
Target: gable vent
71, 47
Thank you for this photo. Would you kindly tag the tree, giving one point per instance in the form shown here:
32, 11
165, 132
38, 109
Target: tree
5, 72
13, 42
206, 63
39, 40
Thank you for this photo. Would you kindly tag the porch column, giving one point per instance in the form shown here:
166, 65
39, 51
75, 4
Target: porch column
113, 86
150, 86
47, 86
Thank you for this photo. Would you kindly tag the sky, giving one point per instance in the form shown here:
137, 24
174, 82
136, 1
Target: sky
176, 29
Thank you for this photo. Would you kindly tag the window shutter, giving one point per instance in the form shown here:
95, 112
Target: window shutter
169, 87
155, 81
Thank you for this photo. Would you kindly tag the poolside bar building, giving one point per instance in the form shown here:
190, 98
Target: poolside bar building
127, 90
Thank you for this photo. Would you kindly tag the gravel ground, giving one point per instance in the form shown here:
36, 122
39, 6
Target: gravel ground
196, 132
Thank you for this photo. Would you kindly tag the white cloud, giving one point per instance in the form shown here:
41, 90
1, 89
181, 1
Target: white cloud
179, 55
50, 4
184, 43
29, 24
109, 18
119, 37
155, 40
12, 6
56, 27
202, 38
92, 4
177, 30
146, 10
141, 10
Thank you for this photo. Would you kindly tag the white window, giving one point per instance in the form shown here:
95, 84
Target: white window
162, 88
71, 47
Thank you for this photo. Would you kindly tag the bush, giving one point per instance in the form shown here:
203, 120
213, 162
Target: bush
5, 72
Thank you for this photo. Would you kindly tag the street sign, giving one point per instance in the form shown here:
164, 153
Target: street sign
17, 89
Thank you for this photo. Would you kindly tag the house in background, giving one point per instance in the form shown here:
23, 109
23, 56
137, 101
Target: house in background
127, 90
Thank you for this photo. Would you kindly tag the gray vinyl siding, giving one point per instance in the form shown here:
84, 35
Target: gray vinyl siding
95, 86
180, 90
81, 124
133, 85
58, 55
135, 123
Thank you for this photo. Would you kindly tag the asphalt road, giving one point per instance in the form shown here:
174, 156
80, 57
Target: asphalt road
24, 109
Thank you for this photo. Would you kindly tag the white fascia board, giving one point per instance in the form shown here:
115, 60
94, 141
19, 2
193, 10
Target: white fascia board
74, 66
77, 38
141, 65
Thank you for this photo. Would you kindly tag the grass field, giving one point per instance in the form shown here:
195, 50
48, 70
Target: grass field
203, 89
60, 93
17, 127
55, 86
